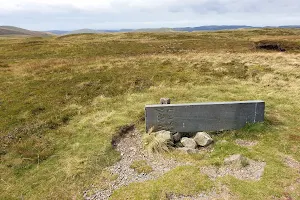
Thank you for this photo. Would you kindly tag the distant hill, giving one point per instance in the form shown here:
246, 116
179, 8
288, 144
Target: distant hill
126, 30
83, 31
186, 29
155, 30
12, 30
58, 32
80, 31
211, 28
290, 26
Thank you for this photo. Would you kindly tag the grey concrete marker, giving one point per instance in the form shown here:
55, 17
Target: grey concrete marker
214, 116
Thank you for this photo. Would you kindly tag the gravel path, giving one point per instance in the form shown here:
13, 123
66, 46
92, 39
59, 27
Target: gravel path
254, 171
131, 149
221, 192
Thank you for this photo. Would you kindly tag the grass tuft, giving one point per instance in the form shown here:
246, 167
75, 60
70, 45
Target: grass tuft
141, 166
153, 144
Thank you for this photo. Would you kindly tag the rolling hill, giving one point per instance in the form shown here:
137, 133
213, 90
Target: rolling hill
83, 31
12, 30
58, 32
166, 29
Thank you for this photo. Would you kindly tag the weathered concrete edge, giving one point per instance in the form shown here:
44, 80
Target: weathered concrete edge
206, 103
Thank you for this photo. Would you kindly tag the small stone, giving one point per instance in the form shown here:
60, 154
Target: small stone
164, 136
132, 149
236, 160
177, 137
165, 101
188, 150
189, 143
203, 139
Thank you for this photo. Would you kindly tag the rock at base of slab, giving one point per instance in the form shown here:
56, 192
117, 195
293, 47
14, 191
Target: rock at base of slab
189, 143
203, 139
177, 137
164, 136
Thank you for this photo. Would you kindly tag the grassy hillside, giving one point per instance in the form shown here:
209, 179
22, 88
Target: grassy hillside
11, 30
63, 98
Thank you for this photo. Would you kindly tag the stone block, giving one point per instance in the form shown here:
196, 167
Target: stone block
196, 117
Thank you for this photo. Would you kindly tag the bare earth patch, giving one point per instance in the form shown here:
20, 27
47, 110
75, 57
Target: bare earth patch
246, 143
131, 150
253, 171
221, 192
293, 188
291, 162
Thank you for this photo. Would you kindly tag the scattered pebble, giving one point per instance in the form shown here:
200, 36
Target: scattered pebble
222, 192
246, 143
253, 171
131, 150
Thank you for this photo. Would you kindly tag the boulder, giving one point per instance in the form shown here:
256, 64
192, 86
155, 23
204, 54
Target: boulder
164, 136
189, 143
177, 137
203, 139
237, 161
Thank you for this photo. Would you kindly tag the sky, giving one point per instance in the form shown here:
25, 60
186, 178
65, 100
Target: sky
133, 14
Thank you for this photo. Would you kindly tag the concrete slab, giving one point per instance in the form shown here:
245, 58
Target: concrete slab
213, 116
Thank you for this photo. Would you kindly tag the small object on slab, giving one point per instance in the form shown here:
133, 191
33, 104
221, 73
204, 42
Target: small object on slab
189, 143
203, 139
165, 101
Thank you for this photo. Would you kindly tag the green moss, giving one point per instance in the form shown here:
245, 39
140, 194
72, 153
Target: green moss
141, 166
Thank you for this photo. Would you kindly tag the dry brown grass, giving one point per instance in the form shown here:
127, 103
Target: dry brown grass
63, 98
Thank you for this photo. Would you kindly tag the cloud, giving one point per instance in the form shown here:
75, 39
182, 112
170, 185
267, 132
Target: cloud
72, 14
152, 5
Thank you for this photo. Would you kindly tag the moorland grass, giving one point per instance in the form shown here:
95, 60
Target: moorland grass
63, 98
